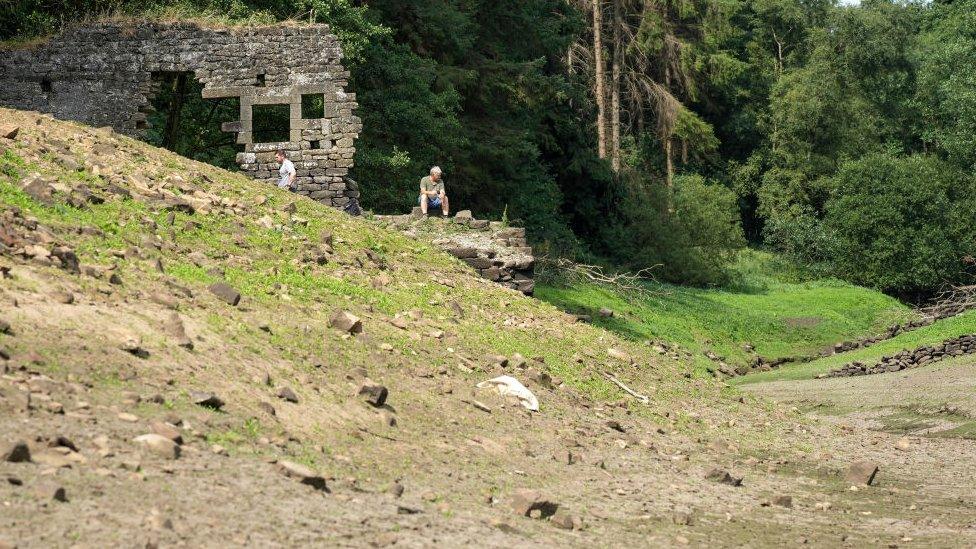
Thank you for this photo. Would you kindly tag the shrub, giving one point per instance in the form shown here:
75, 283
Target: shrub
905, 225
802, 238
692, 242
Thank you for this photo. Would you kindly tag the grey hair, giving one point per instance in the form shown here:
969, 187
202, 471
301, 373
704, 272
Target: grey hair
435, 169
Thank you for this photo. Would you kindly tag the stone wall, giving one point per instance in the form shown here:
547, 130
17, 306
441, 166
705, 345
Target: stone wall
103, 75
962, 345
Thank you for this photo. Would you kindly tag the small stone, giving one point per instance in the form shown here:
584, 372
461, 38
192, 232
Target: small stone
225, 293
133, 347
167, 430
524, 502
303, 474
18, 452
566, 521
373, 393
207, 400
285, 393
51, 492
683, 518
9, 131
159, 445
131, 418
723, 477
219, 450
267, 408
605, 312
783, 501
861, 473
346, 321
174, 327
396, 489
903, 444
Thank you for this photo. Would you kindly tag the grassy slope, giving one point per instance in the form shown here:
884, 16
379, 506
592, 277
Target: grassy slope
928, 335
442, 446
277, 286
780, 318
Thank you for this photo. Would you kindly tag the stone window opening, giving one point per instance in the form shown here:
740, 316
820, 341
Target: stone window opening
313, 106
261, 80
314, 144
47, 86
271, 123
179, 119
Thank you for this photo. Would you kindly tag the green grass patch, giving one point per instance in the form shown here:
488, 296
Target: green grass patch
928, 335
768, 308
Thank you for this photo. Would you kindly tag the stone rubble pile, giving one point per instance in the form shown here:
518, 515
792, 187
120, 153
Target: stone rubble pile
498, 253
962, 345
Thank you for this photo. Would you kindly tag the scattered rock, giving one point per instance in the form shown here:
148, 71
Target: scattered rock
225, 293
133, 347
176, 329
524, 502
605, 312
861, 473
167, 430
207, 400
566, 521
722, 476
159, 445
64, 298
131, 418
346, 321
783, 501
683, 518
303, 474
267, 408
47, 491
18, 452
9, 131
285, 393
373, 393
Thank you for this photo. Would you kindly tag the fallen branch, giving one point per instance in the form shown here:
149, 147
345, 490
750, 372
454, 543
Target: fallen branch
579, 272
643, 399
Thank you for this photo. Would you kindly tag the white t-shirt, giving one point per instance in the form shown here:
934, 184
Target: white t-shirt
285, 172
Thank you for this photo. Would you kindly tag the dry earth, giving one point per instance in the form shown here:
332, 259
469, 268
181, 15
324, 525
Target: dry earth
96, 359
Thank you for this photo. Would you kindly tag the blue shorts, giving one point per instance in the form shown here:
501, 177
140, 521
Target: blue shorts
432, 201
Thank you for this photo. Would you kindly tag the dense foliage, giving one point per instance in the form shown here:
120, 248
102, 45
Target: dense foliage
843, 136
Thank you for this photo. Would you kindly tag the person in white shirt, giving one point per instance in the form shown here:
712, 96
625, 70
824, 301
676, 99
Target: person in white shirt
286, 173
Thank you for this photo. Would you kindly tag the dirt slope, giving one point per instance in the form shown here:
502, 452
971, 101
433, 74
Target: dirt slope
101, 351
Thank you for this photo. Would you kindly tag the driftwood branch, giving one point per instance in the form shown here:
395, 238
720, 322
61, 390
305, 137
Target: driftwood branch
613, 379
579, 272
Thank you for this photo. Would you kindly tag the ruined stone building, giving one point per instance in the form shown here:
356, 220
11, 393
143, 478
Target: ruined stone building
106, 74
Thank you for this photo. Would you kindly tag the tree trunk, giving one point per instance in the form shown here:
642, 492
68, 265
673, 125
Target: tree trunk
615, 87
669, 161
601, 94
171, 132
